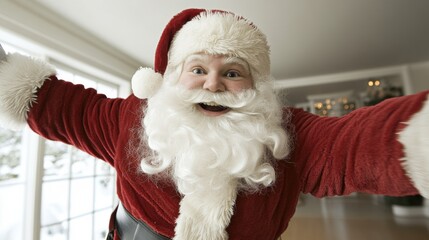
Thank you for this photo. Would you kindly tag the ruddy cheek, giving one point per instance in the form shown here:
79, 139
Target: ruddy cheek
188, 84
193, 83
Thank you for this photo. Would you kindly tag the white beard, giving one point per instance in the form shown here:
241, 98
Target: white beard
211, 158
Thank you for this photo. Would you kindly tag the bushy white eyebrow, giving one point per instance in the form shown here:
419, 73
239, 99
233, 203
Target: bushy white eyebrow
195, 57
238, 61
227, 60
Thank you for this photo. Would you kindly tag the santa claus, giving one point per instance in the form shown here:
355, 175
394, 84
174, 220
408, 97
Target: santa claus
203, 149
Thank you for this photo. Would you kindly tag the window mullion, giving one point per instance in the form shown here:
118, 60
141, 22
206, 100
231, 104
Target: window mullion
33, 200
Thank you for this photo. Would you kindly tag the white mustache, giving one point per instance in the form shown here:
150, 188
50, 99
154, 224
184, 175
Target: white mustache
226, 99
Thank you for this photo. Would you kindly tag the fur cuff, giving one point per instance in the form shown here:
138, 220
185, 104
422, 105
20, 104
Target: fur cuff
20, 78
415, 138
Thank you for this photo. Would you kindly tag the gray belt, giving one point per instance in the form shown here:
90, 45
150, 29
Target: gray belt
129, 228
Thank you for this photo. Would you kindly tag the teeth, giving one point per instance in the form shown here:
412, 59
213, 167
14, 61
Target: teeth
211, 104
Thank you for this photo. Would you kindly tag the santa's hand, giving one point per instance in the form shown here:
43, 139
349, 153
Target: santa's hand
2, 54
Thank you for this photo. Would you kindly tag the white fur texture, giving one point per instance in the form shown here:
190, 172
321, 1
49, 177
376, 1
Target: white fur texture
205, 214
200, 151
20, 78
212, 158
146, 82
223, 34
415, 138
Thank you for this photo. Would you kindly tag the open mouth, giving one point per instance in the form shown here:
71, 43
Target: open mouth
213, 107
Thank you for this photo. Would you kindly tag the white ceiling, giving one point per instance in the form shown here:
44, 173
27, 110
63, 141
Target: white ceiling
307, 38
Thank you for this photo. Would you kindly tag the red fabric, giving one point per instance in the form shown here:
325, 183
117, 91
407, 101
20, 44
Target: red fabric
357, 152
175, 24
331, 156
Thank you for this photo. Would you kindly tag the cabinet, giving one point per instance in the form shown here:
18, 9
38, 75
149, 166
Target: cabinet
338, 94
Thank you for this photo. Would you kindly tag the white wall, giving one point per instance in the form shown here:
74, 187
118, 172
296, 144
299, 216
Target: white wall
419, 75
64, 42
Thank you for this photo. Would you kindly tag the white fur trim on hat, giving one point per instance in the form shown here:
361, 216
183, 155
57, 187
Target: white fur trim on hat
20, 79
415, 138
224, 34
146, 82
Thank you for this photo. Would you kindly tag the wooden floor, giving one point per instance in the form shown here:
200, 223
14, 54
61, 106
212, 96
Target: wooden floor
358, 217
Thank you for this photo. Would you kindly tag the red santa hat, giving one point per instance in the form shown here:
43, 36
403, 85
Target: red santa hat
204, 31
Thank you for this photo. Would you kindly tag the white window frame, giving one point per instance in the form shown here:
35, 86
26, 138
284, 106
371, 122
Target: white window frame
33, 145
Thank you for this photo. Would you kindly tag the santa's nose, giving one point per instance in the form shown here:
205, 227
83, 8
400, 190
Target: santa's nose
214, 83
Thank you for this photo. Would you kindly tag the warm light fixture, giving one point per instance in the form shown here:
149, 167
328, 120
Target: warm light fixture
372, 83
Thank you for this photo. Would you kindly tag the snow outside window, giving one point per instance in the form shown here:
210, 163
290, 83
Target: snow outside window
50, 190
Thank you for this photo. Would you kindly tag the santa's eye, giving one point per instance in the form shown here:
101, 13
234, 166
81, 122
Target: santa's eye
232, 74
198, 71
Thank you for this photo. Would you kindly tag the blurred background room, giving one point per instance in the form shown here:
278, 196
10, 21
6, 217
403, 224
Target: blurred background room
328, 57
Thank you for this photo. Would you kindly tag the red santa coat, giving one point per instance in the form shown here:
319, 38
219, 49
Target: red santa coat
331, 156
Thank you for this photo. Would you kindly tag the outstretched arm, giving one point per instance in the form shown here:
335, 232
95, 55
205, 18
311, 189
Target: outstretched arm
58, 110
381, 149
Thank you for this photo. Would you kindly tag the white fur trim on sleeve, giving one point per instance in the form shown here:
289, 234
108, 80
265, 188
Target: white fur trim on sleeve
20, 78
415, 138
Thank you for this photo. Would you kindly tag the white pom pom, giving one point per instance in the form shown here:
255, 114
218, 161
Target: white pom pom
146, 82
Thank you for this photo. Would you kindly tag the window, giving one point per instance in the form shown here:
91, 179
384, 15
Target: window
77, 189
53, 189
12, 185
13, 179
